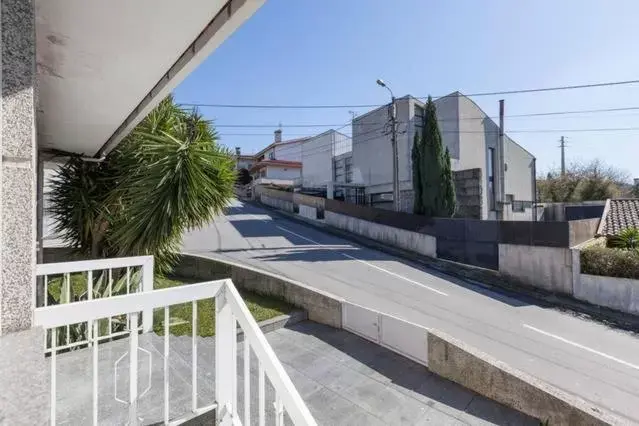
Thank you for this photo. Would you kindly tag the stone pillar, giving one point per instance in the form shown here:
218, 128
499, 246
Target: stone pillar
18, 166
24, 382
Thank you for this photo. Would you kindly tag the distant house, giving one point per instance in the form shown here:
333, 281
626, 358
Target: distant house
618, 215
280, 162
471, 137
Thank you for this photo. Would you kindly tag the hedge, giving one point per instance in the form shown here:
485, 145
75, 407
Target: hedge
610, 262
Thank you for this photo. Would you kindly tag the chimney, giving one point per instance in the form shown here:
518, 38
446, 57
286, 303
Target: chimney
237, 151
278, 135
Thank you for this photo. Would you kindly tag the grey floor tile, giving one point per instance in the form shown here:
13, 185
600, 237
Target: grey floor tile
482, 411
437, 418
344, 379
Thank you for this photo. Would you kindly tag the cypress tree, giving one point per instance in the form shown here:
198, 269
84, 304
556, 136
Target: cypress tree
416, 156
448, 187
432, 157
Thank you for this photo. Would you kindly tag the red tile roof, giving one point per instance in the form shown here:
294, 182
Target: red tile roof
618, 215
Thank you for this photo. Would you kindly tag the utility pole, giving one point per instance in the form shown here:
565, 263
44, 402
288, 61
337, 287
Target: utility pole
563, 156
393, 122
500, 190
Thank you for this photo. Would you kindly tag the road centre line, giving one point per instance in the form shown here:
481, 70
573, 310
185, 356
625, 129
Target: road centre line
585, 348
364, 262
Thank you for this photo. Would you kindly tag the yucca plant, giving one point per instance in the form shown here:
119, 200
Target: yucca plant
628, 239
167, 176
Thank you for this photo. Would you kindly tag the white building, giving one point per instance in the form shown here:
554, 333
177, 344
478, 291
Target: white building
279, 163
471, 137
318, 157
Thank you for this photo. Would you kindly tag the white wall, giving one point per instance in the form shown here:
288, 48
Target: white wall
287, 173
317, 157
518, 177
372, 150
287, 151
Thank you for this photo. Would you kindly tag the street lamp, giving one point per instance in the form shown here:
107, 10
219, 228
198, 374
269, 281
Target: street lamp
393, 120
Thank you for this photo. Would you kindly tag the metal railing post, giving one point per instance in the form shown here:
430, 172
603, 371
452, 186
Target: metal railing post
133, 371
147, 285
225, 359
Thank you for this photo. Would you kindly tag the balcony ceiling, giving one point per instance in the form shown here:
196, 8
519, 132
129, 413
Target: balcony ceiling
102, 65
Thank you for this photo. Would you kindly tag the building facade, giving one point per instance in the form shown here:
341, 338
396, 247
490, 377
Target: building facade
318, 157
471, 138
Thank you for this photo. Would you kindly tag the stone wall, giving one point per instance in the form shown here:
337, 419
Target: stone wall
468, 193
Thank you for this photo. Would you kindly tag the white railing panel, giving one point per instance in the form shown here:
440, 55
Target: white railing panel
91, 265
230, 311
72, 313
290, 398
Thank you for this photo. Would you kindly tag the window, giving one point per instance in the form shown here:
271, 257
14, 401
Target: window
491, 178
271, 155
419, 119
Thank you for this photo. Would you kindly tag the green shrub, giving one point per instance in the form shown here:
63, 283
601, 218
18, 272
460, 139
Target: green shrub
610, 262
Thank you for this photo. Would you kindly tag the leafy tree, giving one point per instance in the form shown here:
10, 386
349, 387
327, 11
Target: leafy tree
634, 191
167, 176
434, 172
592, 181
244, 177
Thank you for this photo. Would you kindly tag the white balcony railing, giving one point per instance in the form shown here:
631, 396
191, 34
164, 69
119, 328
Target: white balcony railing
95, 279
230, 312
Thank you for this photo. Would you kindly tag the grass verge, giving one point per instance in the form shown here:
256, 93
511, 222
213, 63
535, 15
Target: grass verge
180, 316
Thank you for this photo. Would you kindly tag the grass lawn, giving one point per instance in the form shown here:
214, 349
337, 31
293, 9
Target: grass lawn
261, 307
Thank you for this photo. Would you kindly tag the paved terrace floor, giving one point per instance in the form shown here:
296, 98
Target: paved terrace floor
345, 380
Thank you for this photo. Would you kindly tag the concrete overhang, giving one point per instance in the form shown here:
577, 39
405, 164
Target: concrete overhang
103, 65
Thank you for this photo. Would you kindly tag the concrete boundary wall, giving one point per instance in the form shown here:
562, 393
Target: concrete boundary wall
621, 294
549, 268
277, 203
407, 240
308, 212
309, 200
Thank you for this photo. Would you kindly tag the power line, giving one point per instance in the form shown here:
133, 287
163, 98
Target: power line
609, 129
535, 114
504, 92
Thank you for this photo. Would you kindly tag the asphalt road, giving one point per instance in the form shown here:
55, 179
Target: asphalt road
597, 363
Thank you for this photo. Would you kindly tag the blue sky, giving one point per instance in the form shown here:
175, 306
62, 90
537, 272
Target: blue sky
332, 51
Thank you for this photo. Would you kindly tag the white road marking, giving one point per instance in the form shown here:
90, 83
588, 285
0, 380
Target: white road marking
585, 348
364, 262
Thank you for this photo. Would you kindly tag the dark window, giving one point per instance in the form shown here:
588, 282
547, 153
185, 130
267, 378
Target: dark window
419, 119
491, 178
271, 155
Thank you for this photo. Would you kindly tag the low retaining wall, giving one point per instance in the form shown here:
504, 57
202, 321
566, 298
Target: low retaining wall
277, 203
309, 200
308, 212
321, 307
549, 268
621, 294
407, 240
455, 361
